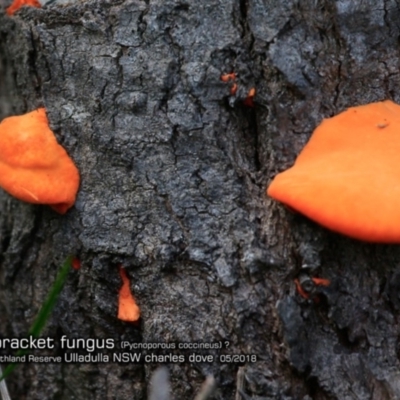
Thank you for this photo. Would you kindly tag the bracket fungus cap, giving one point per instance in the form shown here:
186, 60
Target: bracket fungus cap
17, 4
33, 166
347, 177
128, 310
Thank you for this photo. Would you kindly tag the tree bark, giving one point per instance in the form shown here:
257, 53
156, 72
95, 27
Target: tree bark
173, 176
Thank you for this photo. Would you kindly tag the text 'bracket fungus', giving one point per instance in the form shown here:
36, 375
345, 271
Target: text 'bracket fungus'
347, 178
33, 166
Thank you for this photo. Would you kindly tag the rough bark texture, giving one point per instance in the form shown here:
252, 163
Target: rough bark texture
173, 177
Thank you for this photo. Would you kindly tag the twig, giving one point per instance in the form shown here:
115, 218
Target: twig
45, 311
3, 388
207, 388
159, 384
239, 383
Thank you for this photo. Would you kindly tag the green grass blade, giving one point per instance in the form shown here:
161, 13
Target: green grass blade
45, 310
50, 302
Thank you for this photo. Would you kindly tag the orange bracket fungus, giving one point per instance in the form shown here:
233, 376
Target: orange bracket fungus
128, 310
17, 4
33, 166
347, 178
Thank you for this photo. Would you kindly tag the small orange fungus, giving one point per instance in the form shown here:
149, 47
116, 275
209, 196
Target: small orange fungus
33, 166
317, 282
228, 77
234, 89
321, 281
248, 101
76, 263
300, 289
347, 178
128, 310
17, 4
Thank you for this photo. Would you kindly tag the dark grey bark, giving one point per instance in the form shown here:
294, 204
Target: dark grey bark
173, 177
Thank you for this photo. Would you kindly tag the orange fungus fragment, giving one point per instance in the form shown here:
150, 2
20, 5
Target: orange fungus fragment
33, 166
249, 100
76, 263
17, 4
128, 310
347, 178
234, 89
300, 289
228, 77
321, 281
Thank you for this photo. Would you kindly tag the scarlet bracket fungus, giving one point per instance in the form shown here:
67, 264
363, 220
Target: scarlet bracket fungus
33, 166
347, 178
17, 4
128, 310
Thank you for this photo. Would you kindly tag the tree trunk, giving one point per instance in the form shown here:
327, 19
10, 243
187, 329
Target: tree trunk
173, 170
